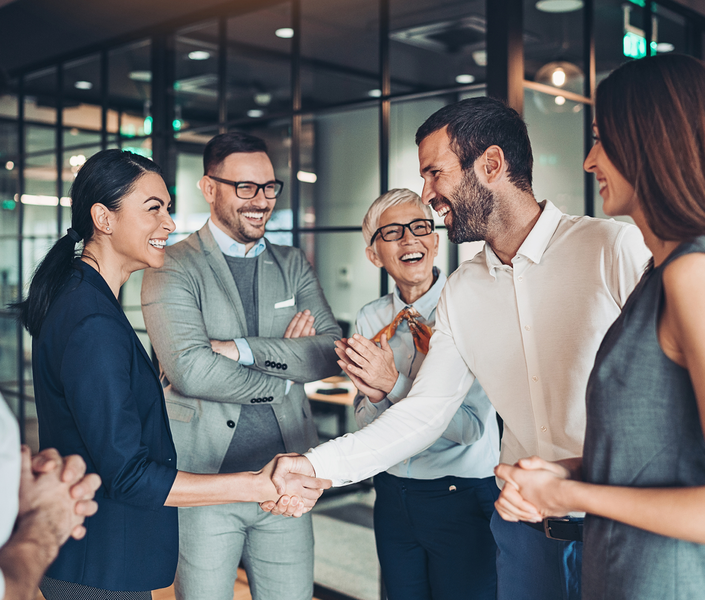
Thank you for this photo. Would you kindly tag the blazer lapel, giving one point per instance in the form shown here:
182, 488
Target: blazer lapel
217, 263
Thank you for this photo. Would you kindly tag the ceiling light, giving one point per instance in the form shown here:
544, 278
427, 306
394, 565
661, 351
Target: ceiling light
663, 47
284, 33
263, 99
199, 55
255, 113
480, 58
83, 85
561, 74
9, 165
464, 78
140, 76
559, 6
306, 177
558, 77
559, 100
374, 93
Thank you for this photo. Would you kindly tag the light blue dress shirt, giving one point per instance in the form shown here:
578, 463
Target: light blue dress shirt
231, 247
454, 453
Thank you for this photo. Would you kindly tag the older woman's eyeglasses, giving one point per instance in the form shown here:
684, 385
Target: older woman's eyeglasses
395, 231
246, 190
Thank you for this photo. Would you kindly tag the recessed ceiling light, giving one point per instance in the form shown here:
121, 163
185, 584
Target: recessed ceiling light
480, 58
83, 85
9, 165
284, 33
199, 55
559, 100
306, 177
374, 93
263, 98
255, 113
559, 6
464, 78
140, 76
663, 47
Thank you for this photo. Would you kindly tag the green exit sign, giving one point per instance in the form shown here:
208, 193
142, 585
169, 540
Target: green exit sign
634, 46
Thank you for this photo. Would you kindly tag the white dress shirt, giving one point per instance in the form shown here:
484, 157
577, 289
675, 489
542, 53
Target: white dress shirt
469, 447
9, 477
528, 331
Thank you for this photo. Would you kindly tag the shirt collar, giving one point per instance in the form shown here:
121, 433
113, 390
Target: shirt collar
427, 303
230, 247
536, 242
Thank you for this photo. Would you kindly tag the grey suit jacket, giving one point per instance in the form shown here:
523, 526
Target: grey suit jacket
193, 299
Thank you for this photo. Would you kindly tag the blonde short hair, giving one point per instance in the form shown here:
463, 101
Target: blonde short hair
392, 198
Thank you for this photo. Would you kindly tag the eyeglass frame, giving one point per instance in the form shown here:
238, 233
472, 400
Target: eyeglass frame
403, 226
260, 186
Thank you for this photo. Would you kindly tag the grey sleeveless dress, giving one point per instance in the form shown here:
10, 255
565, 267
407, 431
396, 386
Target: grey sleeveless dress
643, 430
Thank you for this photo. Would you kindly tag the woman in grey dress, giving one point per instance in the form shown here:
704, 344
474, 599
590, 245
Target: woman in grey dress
642, 476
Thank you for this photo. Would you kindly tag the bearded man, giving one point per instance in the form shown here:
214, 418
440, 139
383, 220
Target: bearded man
238, 325
525, 317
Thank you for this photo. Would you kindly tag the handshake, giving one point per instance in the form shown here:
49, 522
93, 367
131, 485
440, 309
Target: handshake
292, 485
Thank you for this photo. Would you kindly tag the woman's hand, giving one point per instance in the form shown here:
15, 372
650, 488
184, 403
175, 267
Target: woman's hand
535, 489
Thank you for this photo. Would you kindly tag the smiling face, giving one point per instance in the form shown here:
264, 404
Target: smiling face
409, 260
618, 195
141, 225
242, 220
458, 196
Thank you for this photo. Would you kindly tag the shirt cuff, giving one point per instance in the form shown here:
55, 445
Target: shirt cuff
320, 470
289, 383
2, 585
246, 356
401, 389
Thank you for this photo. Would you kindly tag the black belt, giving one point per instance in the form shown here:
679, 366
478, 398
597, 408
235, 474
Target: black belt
566, 530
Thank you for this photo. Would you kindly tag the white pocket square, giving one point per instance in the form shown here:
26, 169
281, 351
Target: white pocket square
285, 303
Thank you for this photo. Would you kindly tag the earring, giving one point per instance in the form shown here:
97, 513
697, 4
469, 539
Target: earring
107, 229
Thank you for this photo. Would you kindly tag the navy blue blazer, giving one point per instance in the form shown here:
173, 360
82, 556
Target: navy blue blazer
99, 396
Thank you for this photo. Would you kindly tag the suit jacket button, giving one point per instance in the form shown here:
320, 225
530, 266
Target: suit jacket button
284, 366
267, 363
271, 398
279, 365
252, 400
230, 424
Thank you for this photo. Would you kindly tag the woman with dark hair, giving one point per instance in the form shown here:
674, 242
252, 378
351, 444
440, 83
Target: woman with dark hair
642, 475
99, 396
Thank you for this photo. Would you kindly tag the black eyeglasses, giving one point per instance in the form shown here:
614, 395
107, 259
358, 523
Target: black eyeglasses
395, 231
246, 190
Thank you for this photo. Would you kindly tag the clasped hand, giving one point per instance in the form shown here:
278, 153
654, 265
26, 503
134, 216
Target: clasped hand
535, 489
370, 367
296, 485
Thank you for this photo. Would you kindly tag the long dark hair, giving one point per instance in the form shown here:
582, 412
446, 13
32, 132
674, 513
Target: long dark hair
651, 123
106, 178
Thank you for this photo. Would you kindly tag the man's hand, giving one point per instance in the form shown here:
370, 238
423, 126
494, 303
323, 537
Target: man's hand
72, 470
301, 325
226, 348
295, 480
372, 364
534, 489
58, 497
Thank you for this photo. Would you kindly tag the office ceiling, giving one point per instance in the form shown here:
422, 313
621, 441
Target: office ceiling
33, 31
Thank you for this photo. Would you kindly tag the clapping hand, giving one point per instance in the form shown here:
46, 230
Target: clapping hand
295, 481
370, 367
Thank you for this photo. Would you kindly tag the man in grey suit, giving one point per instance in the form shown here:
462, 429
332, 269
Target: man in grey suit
238, 325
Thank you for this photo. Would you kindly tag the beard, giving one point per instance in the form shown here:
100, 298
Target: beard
471, 206
237, 228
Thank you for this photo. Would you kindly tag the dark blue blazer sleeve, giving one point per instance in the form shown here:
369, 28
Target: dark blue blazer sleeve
103, 383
